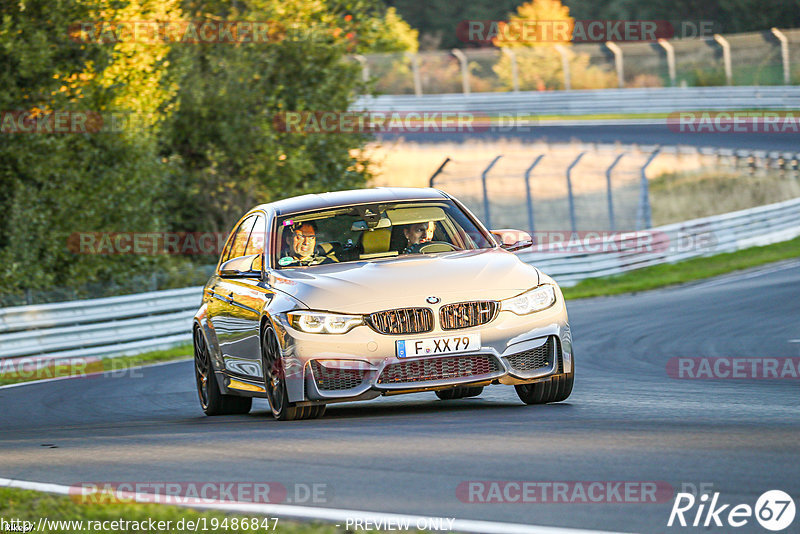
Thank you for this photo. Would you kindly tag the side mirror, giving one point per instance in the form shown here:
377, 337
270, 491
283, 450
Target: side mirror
512, 240
243, 267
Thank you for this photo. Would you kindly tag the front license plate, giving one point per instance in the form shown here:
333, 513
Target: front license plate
438, 345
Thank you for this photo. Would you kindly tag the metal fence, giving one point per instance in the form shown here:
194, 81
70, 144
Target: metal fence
585, 187
769, 57
622, 252
530, 104
100, 327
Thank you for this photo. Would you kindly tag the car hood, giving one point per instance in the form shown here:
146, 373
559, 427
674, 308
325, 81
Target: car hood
406, 281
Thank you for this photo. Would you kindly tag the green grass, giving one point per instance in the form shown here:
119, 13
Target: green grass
685, 271
30, 506
99, 365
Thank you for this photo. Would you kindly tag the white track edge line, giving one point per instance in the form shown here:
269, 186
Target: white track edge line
322, 514
89, 375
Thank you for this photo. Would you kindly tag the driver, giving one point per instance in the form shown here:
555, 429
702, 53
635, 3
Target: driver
301, 246
417, 234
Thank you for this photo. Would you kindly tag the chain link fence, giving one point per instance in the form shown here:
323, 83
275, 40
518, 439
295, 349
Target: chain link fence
573, 187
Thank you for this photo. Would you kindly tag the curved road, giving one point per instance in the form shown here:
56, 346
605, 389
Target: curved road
626, 421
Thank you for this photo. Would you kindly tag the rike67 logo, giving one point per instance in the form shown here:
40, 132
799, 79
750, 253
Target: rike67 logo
774, 510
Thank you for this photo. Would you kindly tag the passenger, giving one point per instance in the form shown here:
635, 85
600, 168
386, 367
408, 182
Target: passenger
417, 234
300, 241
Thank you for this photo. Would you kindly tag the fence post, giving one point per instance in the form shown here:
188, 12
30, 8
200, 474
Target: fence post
618, 62
438, 171
609, 170
726, 57
784, 53
364, 67
569, 191
415, 72
562, 50
528, 192
644, 197
514, 68
670, 50
464, 69
486, 215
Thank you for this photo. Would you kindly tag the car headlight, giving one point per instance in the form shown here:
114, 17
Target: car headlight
315, 322
537, 299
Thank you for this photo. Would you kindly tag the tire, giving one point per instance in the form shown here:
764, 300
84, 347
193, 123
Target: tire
275, 383
554, 389
211, 400
459, 393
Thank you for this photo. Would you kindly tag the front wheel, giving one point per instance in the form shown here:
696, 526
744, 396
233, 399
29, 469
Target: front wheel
211, 400
275, 383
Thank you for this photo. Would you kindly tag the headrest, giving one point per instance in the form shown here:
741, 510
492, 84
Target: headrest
377, 240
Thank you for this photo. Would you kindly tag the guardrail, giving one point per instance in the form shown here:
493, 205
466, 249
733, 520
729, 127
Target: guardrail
652, 100
130, 324
110, 326
568, 263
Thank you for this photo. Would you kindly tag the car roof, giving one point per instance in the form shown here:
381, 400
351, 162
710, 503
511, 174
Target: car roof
354, 196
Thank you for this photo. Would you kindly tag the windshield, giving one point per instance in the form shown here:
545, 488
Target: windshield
374, 231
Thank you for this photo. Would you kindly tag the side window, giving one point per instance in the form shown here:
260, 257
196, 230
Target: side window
237, 244
256, 243
227, 250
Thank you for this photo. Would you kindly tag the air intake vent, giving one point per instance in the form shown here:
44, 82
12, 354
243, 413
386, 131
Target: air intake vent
438, 369
336, 379
533, 359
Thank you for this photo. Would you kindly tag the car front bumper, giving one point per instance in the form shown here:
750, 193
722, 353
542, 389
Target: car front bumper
363, 363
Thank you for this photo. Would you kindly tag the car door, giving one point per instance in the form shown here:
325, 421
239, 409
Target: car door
246, 298
217, 302
223, 312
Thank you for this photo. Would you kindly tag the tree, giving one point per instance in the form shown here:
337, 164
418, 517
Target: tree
199, 144
56, 185
224, 150
539, 63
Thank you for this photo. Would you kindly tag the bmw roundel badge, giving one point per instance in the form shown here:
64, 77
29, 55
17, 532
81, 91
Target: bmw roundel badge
432, 300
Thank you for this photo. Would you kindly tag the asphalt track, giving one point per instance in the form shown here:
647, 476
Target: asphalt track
626, 421
617, 132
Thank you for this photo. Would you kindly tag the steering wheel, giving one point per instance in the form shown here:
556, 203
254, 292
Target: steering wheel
429, 247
